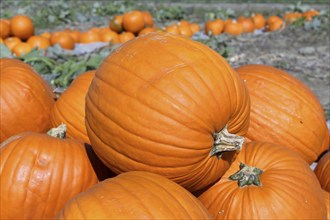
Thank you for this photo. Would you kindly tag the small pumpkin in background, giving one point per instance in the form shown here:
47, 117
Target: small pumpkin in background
70, 107
21, 26
214, 27
322, 171
21, 48
26, 99
39, 42
233, 27
284, 111
125, 36
64, 39
135, 195
247, 23
146, 30
274, 23
308, 15
109, 36
40, 173
291, 17
258, 20
116, 23
266, 181
11, 42
148, 19
4, 29
89, 37
133, 21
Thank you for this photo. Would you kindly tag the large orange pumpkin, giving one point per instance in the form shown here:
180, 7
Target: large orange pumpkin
322, 171
70, 107
135, 195
168, 110
26, 99
284, 111
266, 181
327, 202
40, 173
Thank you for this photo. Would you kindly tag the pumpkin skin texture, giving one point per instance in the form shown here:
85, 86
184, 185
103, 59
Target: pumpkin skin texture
40, 173
135, 195
70, 107
289, 189
327, 202
157, 110
284, 111
26, 99
322, 171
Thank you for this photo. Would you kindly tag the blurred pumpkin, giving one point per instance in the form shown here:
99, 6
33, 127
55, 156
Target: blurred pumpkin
22, 26
322, 171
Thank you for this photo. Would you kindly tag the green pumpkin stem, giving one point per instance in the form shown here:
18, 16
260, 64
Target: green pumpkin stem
59, 132
225, 141
247, 176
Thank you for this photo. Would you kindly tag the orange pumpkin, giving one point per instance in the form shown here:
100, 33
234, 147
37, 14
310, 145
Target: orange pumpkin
125, 36
26, 99
109, 36
322, 171
89, 37
266, 181
247, 23
39, 42
133, 21
173, 29
70, 107
40, 173
11, 42
291, 17
4, 29
135, 195
116, 23
274, 23
284, 111
147, 30
214, 27
166, 110
327, 202
63, 39
148, 20
22, 26
308, 15
233, 28
258, 20
21, 48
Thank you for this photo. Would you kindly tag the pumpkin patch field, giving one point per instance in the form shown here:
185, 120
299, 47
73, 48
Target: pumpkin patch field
165, 109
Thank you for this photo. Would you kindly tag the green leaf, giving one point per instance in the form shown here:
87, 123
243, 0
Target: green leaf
4, 51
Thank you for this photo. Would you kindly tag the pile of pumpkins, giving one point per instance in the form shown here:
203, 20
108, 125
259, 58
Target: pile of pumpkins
17, 33
165, 128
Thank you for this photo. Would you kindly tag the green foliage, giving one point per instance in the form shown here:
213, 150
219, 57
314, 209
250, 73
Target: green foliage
220, 13
218, 44
169, 13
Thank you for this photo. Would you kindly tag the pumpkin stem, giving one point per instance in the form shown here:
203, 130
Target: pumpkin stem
247, 175
59, 132
225, 141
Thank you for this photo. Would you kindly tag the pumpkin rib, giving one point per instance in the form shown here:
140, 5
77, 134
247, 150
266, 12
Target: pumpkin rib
178, 147
156, 195
291, 91
222, 63
196, 73
145, 105
299, 140
168, 98
150, 107
169, 194
144, 163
